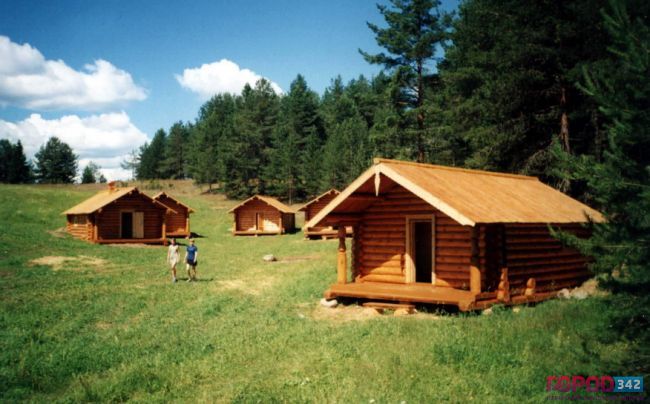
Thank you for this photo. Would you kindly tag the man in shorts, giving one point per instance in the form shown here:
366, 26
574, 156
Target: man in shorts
191, 256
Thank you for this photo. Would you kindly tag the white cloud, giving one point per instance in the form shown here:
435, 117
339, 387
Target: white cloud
28, 80
223, 76
105, 139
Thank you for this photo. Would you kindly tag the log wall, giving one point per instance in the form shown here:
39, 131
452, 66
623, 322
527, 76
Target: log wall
531, 252
176, 222
380, 242
288, 221
245, 216
79, 226
108, 221
313, 209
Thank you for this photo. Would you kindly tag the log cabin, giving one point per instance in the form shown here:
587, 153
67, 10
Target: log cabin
262, 215
451, 236
178, 224
314, 206
119, 215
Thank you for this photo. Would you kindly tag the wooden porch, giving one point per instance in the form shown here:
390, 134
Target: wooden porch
256, 232
131, 241
412, 293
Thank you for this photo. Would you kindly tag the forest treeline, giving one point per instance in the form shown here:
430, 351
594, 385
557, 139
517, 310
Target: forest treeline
503, 96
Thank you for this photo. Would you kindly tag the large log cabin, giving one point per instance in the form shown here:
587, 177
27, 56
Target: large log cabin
119, 215
178, 224
262, 215
451, 236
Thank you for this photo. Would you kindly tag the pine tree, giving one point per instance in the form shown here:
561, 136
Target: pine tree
56, 163
90, 174
415, 29
620, 181
151, 157
174, 165
14, 168
508, 77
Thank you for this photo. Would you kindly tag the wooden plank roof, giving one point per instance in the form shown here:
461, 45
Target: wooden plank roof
166, 195
268, 200
103, 198
467, 196
318, 198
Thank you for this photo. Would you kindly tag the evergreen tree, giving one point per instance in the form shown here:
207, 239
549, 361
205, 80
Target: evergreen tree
90, 174
151, 157
416, 28
131, 163
508, 77
346, 154
213, 130
13, 163
620, 181
174, 165
56, 163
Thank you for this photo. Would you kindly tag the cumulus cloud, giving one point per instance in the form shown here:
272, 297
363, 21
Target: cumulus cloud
28, 80
105, 139
223, 76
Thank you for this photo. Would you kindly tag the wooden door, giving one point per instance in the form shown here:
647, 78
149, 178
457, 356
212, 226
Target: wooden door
126, 225
138, 224
259, 221
420, 256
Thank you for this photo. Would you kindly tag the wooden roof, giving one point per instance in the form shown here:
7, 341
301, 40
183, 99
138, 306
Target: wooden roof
268, 200
163, 193
467, 196
105, 197
318, 198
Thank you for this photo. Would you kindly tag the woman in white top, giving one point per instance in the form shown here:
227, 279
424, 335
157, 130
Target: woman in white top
173, 256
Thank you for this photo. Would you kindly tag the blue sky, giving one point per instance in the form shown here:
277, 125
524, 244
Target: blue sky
105, 75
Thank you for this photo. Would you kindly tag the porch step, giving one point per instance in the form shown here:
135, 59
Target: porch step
390, 306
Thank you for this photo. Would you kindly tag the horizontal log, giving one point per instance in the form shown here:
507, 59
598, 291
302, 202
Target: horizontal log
367, 263
399, 203
453, 229
452, 275
547, 262
452, 267
397, 220
382, 249
532, 248
453, 260
381, 271
549, 254
384, 228
384, 278
453, 252
383, 243
521, 272
453, 236
554, 277
414, 210
391, 256
383, 236
453, 244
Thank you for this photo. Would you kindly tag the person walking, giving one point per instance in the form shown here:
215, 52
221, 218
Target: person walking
173, 256
191, 256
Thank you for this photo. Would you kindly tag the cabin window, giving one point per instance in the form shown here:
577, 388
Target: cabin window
78, 220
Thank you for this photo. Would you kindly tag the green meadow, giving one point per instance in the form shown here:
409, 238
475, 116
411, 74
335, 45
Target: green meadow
84, 322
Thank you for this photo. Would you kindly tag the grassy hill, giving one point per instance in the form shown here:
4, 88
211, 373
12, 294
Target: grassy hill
83, 322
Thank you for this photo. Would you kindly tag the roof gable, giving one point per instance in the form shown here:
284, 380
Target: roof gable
266, 199
103, 198
473, 196
318, 198
163, 194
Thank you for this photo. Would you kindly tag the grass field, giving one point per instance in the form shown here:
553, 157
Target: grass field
106, 323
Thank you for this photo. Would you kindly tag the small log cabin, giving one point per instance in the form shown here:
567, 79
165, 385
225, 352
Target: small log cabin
119, 215
262, 215
178, 224
452, 236
314, 206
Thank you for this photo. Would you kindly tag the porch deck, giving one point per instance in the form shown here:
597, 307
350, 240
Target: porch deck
130, 241
414, 293
257, 232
